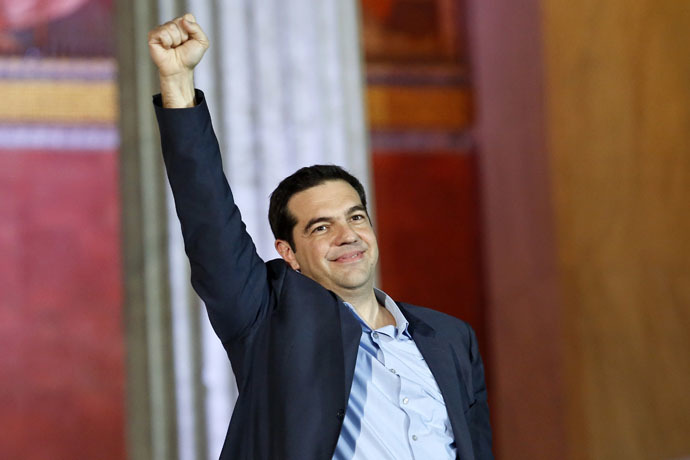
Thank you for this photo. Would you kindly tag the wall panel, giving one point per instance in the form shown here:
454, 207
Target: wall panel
61, 376
619, 113
524, 313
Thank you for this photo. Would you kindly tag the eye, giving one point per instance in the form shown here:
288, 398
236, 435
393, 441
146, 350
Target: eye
319, 229
358, 217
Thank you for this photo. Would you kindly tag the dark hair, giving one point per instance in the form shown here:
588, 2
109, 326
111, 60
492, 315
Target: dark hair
282, 222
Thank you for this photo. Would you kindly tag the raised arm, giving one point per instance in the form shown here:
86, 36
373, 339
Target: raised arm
227, 273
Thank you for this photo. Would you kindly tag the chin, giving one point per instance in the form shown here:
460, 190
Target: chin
355, 282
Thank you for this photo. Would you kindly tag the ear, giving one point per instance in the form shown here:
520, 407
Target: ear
286, 252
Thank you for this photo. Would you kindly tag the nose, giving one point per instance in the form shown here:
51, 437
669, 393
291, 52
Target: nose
346, 235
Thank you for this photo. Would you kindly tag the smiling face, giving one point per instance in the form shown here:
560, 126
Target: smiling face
334, 242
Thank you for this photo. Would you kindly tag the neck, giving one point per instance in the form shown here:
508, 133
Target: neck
368, 308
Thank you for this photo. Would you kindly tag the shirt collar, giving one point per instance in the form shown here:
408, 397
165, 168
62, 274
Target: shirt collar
401, 323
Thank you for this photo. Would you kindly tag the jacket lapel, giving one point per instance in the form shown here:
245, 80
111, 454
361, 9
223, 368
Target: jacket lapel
438, 354
351, 335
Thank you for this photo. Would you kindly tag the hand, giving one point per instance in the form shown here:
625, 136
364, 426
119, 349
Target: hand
176, 47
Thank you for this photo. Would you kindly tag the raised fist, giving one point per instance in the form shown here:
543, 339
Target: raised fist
177, 46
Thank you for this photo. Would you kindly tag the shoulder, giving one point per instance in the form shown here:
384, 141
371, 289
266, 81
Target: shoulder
293, 288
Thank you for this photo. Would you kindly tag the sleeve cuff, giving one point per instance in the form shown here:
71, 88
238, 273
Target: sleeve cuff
199, 98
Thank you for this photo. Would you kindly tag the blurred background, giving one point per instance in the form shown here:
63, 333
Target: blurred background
528, 165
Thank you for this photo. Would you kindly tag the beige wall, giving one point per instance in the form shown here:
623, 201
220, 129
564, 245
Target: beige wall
618, 115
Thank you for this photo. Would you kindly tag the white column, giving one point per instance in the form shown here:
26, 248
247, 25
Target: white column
283, 83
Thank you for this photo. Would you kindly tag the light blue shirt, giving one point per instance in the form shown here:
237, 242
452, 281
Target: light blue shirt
395, 410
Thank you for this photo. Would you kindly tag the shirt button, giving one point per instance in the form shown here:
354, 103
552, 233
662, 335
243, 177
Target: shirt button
405, 400
414, 437
375, 335
392, 370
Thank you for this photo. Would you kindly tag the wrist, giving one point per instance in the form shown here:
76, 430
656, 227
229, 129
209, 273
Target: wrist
177, 91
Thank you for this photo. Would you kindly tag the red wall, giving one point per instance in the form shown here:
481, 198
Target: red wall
62, 368
427, 214
61, 334
420, 113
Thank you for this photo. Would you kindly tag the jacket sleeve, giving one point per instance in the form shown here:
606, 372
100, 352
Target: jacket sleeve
478, 419
226, 271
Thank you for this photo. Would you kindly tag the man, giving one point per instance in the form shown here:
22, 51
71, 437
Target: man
326, 365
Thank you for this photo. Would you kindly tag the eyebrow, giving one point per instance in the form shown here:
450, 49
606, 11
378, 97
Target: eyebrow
352, 210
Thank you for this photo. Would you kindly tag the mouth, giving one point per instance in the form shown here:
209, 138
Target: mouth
352, 256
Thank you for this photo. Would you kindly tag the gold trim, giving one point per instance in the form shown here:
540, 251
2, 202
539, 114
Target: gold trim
58, 101
403, 107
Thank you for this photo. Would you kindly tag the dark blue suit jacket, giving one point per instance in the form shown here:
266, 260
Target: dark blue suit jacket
292, 343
